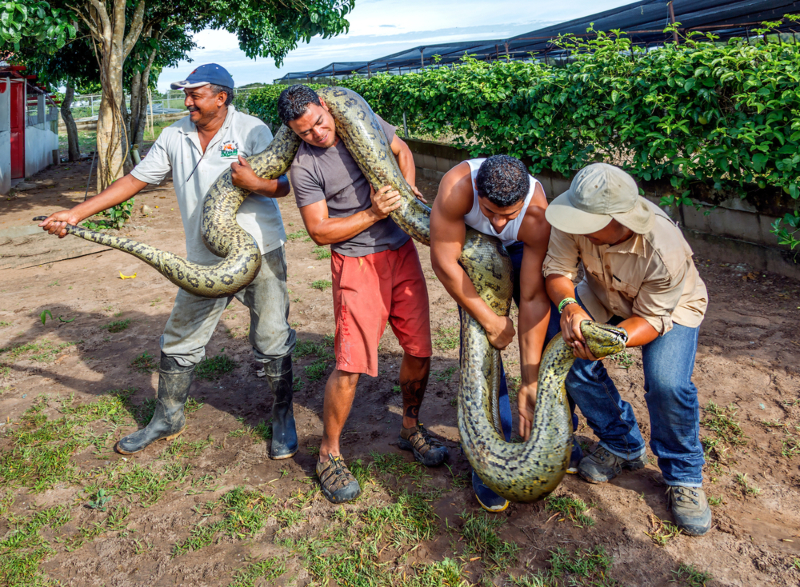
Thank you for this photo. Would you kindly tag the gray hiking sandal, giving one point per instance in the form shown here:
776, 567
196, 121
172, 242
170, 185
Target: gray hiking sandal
428, 451
337, 482
690, 508
601, 466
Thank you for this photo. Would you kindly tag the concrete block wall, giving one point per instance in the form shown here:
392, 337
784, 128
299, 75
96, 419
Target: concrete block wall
734, 231
5, 136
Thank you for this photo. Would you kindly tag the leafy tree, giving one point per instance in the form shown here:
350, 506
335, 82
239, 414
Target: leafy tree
265, 28
34, 18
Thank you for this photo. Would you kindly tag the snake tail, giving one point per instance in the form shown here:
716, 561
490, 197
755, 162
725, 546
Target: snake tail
222, 235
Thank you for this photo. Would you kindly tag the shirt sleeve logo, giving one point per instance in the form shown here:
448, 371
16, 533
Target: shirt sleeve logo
229, 149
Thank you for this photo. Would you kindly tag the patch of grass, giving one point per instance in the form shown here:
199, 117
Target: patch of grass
662, 532
481, 539
572, 508
791, 446
316, 370
461, 480
305, 348
267, 570
321, 284
447, 339
690, 576
118, 325
722, 423
3, 324
395, 465
584, 567
538, 579
261, 431
182, 448
714, 501
240, 513
623, 360
747, 486
23, 548
297, 235
444, 573
409, 520
145, 363
322, 252
147, 483
41, 451
212, 368
42, 351
116, 520
446, 374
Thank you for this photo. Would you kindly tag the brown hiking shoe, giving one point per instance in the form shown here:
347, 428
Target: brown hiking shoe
337, 482
428, 451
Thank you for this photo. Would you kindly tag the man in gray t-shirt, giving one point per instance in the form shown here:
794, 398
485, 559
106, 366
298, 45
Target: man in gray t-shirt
332, 174
377, 277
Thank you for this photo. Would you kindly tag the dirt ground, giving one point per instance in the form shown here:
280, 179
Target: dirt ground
211, 509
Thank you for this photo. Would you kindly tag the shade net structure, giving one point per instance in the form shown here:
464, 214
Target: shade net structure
643, 22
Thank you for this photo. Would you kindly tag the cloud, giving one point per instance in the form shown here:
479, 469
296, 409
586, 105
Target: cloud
414, 23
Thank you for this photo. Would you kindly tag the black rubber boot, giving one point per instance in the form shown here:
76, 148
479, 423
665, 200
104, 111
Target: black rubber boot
168, 421
284, 434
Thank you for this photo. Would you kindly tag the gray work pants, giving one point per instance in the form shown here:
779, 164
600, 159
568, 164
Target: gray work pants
193, 318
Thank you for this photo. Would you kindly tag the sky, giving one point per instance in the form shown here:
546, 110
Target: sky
382, 27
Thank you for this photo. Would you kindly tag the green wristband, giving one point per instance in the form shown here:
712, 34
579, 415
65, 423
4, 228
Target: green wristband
565, 302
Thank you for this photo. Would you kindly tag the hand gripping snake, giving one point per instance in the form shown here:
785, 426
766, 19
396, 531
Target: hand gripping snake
524, 471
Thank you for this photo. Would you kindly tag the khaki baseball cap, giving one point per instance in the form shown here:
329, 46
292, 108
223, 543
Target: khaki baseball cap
598, 194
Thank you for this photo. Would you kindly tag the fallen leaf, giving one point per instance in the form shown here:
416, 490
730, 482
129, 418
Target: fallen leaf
121, 276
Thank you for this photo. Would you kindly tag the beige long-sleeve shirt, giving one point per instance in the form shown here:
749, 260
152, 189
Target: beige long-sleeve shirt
650, 275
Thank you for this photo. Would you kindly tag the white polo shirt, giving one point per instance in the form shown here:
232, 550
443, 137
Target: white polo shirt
193, 172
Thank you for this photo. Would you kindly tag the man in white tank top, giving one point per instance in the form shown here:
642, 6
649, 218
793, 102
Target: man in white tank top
497, 196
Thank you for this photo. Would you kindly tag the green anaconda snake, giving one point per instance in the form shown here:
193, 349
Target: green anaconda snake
518, 471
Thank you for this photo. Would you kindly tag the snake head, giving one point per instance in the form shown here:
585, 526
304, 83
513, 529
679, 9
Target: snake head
602, 339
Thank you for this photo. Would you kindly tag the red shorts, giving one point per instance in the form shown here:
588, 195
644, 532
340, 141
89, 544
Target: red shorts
368, 291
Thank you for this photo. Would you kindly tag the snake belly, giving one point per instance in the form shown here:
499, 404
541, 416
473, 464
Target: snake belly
518, 471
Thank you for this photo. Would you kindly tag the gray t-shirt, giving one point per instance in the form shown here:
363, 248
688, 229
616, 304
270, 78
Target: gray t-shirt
332, 174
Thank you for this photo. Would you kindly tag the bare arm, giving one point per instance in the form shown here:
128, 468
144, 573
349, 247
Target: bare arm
405, 160
639, 330
324, 230
243, 176
534, 310
448, 232
121, 190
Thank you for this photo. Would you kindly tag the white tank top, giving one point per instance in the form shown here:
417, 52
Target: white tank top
476, 219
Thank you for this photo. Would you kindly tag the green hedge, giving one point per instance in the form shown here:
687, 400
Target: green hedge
724, 114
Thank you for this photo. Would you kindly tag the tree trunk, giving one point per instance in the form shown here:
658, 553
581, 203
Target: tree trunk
139, 95
113, 46
74, 151
112, 143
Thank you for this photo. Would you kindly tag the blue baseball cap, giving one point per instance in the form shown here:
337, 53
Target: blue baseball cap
210, 73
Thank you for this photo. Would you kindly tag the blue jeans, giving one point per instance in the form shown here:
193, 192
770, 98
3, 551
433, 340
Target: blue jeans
553, 328
671, 402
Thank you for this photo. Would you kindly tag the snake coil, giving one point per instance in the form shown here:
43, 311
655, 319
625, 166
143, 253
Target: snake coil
520, 472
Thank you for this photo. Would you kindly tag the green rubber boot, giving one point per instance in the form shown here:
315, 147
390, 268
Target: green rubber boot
168, 421
284, 434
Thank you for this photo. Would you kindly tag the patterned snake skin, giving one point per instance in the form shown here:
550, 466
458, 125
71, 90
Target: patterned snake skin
519, 472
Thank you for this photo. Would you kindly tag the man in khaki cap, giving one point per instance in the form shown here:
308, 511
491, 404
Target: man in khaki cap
639, 275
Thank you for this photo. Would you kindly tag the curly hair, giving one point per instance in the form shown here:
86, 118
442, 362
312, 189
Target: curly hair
503, 179
293, 102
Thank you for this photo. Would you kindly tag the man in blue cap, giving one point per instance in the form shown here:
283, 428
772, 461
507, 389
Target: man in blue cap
214, 137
